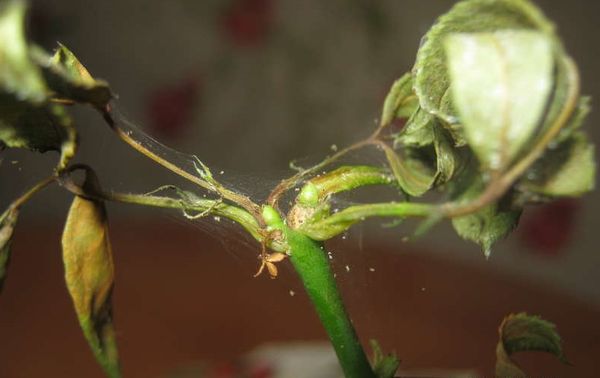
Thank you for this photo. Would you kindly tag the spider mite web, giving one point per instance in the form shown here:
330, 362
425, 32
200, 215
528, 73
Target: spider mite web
355, 269
257, 188
232, 237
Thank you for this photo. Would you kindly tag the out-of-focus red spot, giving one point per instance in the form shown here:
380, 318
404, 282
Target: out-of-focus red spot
170, 108
549, 228
261, 371
247, 22
224, 371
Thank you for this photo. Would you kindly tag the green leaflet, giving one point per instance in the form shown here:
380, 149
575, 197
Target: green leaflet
568, 170
69, 80
500, 85
27, 120
89, 275
7, 227
470, 16
384, 366
489, 224
522, 332
401, 100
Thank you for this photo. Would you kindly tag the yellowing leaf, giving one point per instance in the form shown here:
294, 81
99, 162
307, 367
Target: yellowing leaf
522, 332
500, 86
89, 274
7, 226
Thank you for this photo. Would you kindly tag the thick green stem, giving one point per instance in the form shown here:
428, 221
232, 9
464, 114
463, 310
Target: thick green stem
312, 265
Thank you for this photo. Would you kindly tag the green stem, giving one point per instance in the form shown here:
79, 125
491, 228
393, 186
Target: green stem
312, 266
339, 222
240, 199
213, 207
289, 183
347, 178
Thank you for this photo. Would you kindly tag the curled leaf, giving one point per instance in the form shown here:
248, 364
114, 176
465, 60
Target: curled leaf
471, 16
89, 275
429, 151
69, 79
401, 100
418, 131
413, 176
488, 225
7, 226
500, 86
523, 332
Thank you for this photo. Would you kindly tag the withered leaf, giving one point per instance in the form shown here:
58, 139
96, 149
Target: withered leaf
89, 275
69, 80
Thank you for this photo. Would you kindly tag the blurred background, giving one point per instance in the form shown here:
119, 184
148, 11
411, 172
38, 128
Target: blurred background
248, 86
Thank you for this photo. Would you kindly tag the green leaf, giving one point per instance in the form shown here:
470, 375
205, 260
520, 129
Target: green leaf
470, 16
520, 333
423, 131
500, 85
489, 224
568, 170
384, 366
19, 77
400, 102
7, 227
89, 275
69, 79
